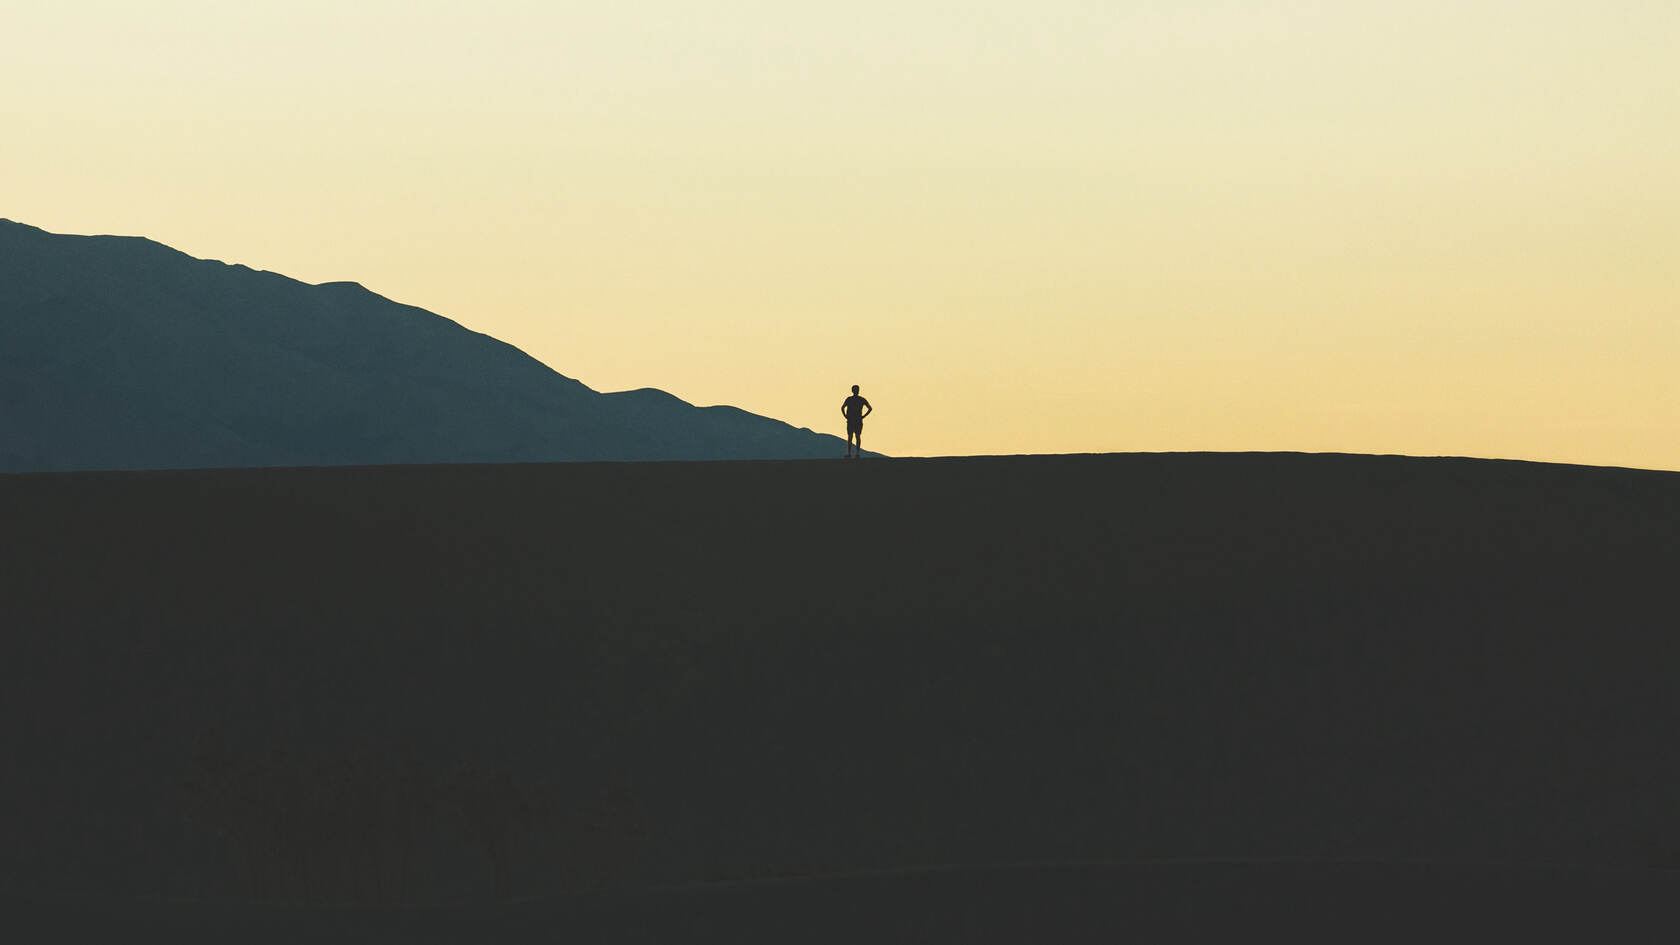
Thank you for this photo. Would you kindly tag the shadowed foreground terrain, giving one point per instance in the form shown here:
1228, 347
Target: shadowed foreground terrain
1189, 902
573, 685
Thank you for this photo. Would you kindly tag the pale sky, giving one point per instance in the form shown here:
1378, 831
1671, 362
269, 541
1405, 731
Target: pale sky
1430, 227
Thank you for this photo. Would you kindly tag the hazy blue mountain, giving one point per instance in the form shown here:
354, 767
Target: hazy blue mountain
121, 353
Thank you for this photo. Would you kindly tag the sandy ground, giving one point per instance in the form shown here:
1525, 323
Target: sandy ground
719, 671
1185, 902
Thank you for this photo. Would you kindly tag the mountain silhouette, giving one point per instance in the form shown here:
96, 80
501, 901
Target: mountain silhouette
122, 353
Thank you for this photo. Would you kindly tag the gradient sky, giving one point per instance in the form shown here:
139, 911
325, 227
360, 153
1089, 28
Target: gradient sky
1431, 227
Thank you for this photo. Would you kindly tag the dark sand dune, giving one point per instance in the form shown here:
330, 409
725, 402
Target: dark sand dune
1156, 902
729, 671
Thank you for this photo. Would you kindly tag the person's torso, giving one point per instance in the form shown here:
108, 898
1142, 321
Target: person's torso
853, 408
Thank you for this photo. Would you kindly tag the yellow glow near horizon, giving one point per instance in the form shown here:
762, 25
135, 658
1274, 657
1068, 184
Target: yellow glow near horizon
1428, 228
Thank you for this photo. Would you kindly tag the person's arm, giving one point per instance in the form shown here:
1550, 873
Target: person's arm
867, 410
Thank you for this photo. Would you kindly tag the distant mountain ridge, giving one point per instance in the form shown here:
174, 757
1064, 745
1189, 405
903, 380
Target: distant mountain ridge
122, 353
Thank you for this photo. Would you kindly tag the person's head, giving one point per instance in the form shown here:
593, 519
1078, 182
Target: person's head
854, 388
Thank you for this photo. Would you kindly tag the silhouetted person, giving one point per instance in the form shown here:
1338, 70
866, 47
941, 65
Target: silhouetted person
854, 409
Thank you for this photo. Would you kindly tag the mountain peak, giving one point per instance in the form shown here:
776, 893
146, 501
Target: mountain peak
114, 355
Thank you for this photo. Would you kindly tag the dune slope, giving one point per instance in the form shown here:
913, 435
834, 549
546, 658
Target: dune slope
732, 670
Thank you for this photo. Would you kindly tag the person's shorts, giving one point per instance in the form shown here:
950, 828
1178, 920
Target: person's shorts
854, 426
